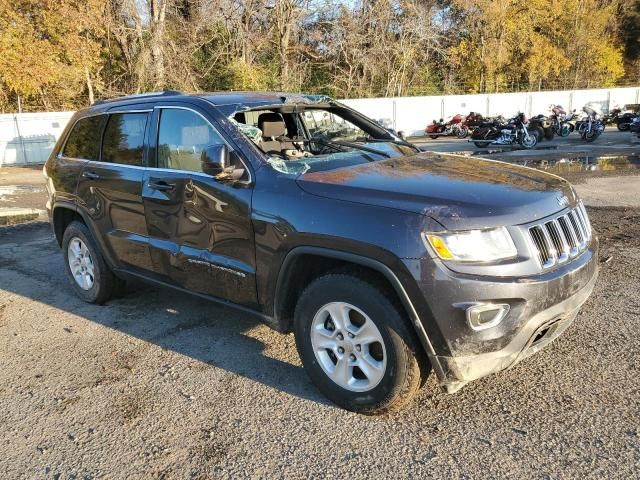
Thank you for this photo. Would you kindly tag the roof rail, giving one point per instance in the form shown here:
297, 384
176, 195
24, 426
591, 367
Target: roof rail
139, 95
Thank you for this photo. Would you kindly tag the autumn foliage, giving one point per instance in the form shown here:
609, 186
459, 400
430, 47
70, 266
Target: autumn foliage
63, 54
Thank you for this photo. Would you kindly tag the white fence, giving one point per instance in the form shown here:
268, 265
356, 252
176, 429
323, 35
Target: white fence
27, 138
410, 114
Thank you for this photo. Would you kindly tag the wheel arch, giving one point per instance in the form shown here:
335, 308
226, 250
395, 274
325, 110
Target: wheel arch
63, 213
297, 260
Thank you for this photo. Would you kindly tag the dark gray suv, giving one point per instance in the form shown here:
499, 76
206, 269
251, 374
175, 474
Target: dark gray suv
386, 262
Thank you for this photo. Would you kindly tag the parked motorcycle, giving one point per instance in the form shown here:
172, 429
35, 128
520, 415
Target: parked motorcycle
453, 127
514, 131
474, 120
571, 119
543, 126
591, 126
624, 119
560, 121
612, 116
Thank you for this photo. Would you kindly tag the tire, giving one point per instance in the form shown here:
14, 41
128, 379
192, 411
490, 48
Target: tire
99, 282
433, 137
548, 134
533, 141
400, 363
539, 131
564, 130
482, 144
462, 132
622, 126
591, 136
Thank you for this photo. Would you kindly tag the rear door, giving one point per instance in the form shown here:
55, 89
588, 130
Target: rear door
200, 229
111, 189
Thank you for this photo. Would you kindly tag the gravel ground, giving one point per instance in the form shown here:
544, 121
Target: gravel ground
158, 384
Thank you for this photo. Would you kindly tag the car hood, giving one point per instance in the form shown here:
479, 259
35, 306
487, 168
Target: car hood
459, 192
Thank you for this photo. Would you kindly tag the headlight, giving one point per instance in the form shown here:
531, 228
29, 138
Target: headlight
474, 245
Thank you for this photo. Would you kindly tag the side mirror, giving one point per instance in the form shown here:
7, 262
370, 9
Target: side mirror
214, 159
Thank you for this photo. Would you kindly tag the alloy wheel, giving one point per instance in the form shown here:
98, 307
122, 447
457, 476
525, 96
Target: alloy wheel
81, 263
348, 347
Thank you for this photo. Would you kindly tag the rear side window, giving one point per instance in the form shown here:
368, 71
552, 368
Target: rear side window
84, 139
123, 140
182, 137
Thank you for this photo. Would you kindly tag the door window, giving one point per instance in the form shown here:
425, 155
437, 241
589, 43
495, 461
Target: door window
329, 126
124, 139
182, 137
84, 139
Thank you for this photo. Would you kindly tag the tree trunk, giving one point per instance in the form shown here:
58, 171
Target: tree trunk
158, 12
89, 85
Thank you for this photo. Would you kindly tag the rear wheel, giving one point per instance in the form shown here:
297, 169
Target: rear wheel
433, 137
623, 126
482, 144
548, 133
86, 270
356, 346
564, 130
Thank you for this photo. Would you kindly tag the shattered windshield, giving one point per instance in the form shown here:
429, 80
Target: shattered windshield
298, 138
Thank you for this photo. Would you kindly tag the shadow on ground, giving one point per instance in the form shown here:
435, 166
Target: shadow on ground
216, 335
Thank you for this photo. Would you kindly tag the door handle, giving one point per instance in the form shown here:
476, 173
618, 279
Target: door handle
91, 175
162, 186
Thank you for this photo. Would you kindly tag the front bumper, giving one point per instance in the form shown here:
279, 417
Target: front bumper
541, 308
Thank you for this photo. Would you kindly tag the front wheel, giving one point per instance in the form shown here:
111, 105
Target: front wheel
356, 345
462, 132
529, 141
482, 144
591, 135
622, 126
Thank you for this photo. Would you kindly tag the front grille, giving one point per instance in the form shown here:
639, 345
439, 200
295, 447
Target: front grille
561, 238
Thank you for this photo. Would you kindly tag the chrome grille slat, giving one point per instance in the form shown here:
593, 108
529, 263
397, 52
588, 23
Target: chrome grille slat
569, 235
561, 246
557, 240
586, 219
577, 230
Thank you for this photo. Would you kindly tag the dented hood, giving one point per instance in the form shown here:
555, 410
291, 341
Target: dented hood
459, 192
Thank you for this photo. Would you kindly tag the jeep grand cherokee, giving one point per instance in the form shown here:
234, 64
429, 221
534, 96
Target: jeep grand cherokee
386, 262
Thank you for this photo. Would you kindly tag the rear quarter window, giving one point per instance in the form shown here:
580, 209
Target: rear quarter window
84, 140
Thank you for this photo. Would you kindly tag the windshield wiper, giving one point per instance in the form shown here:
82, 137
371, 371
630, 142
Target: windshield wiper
351, 145
396, 142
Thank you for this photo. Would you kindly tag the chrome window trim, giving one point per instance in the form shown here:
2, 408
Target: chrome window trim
108, 164
231, 149
113, 112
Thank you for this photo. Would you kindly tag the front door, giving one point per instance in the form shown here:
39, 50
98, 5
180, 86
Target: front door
200, 230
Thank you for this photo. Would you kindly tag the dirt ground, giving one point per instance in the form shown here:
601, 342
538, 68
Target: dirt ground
158, 384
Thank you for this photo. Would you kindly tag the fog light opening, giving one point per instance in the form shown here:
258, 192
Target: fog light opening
486, 315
